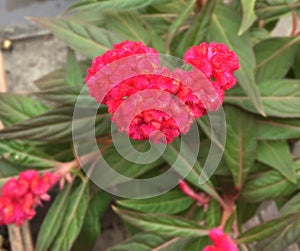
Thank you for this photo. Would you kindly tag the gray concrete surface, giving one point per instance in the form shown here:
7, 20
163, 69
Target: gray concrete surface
32, 57
13, 11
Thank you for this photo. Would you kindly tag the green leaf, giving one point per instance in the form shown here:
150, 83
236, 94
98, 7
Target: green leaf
56, 79
297, 64
66, 95
15, 108
91, 228
213, 214
271, 9
197, 244
281, 98
172, 202
190, 5
266, 229
87, 39
230, 222
277, 155
149, 242
258, 34
276, 129
274, 57
121, 165
224, 29
292, 206
113, 5
269, 185
198, 29
183, 162
167, 6
212, 132
248, 15
73, 74
128, 25
289, 235
24, 154
240, 149
56, 125
53, 220
51, 80
8, 169
245, 211
72, 222
162, 224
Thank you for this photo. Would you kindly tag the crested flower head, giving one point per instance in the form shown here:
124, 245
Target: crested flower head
221, 241
20, 196
176, 97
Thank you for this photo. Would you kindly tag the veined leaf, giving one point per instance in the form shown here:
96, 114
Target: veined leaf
62, 94
121, 165
277, 129
258, 35
52, 222
8, 169
162, 224
114, 5
274, 57
224, 29
213, 214
56, 79
272, 9
56, 125
266, 229
197, 244
15, 108
277, 155
89, 40
73, 74
128, 25
190, 5
281, 98
149, 242
183, 160
72, 222
198, 29
292, 206
269, 185
297, 63
91, 228
248, 15
24, 154
171, 202
289, 235
240, 150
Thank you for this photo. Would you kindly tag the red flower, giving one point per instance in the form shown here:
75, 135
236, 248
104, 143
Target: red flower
216, 61
131, 67
20, 196
121, 50
221, 241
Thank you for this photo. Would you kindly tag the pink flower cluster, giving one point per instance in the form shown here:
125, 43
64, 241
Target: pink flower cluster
119, 74
221, 241
20, 196
216, 61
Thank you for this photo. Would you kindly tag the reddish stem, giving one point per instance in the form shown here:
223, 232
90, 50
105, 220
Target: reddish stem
200, 198
295, 23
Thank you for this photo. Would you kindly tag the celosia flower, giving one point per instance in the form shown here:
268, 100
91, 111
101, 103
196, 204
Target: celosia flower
216, 61
20, 196
131, 67
121, 50
221, 241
